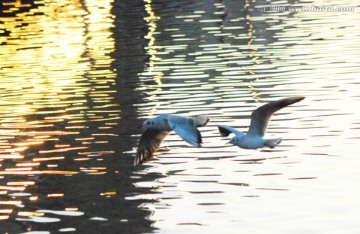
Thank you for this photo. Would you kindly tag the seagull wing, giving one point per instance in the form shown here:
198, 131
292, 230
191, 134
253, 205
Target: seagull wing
149, 143
261, 116
226, 130
185, 128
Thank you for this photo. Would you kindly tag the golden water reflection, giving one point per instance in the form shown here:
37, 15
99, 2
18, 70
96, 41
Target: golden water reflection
56, 83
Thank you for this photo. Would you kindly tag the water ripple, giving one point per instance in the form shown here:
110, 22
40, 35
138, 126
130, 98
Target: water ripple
78, 79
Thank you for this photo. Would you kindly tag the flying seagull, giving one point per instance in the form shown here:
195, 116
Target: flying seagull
260, 117
159, 127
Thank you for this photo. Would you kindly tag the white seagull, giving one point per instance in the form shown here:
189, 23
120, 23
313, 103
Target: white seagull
159, 127
259, 121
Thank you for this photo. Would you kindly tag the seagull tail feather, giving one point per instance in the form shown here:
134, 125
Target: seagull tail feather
200, 120
271, 143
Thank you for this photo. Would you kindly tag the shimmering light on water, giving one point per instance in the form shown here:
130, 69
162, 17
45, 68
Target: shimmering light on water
56, 97
301, 57
79, 77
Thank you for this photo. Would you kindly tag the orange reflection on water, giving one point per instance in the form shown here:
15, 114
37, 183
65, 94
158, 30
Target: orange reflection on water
71, 209
93, 168
61, 150
19, 169
55, 195
96, 173
108, 194
33, 198
91, 154
12, 188
29, 213
25, 183
48, 159
11, 156
80, 40
14, 6
38, 172
15, 203
5, 213
56, 93
27, 164
82, 159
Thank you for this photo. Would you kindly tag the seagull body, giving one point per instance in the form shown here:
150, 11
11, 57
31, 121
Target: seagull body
159, 127
260, 117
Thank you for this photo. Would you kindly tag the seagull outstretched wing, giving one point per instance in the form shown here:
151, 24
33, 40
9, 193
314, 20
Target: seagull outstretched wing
261, 116
189, 134
149, 143
226, 130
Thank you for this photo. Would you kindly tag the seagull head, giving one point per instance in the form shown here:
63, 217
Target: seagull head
149, 123
236, 140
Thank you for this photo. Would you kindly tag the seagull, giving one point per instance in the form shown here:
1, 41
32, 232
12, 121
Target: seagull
260, 117
156, 129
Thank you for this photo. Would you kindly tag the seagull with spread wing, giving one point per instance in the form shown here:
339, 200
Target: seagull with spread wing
260, 117
156, 129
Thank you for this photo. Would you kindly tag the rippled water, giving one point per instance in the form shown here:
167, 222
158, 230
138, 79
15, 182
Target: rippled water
79, 77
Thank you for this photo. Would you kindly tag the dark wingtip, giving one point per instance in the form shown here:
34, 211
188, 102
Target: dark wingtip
288, 101
138, 158
300, 98
199, 139
296, 99
223, 131
136, 162
142, 156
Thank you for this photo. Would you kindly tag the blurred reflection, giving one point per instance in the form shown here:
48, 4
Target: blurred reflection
11, 8
59, 114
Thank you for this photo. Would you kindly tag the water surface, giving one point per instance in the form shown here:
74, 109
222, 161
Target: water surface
79, 77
